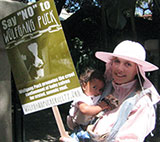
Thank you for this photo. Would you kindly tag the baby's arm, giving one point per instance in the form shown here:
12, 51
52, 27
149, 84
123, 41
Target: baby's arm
92, 109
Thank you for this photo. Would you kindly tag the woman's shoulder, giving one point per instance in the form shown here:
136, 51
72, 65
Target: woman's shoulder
150, 94
144, 99
143, 106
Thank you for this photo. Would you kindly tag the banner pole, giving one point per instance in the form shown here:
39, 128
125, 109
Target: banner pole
59, 122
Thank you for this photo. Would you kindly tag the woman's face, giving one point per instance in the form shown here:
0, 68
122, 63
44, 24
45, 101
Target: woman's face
123, 71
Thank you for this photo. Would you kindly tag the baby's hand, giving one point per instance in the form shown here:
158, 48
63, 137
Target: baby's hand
111, 101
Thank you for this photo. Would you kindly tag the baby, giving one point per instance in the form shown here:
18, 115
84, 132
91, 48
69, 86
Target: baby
84, 109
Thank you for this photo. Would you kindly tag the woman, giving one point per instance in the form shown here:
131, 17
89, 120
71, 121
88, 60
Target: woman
134, 119
126, 67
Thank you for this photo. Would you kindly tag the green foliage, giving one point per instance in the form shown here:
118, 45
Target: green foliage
145, 6
84, 56
74, 5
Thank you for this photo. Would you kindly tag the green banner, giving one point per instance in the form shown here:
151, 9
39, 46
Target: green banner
41, 63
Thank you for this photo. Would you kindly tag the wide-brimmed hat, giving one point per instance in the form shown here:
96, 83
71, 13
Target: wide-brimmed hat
131, 51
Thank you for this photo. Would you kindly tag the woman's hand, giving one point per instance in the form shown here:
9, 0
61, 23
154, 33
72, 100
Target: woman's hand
104, 105
111, 101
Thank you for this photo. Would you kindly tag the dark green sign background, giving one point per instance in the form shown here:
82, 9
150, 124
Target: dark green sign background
41, 63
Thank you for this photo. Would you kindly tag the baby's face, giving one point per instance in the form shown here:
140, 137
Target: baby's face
94, 87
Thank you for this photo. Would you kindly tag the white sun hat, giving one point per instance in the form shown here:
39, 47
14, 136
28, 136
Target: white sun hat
134, 52
131, 51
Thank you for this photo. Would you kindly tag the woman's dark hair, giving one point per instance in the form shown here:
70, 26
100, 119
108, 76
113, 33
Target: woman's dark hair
90, 74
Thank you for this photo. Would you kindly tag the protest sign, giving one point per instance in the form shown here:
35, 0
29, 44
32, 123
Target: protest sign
41, 63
